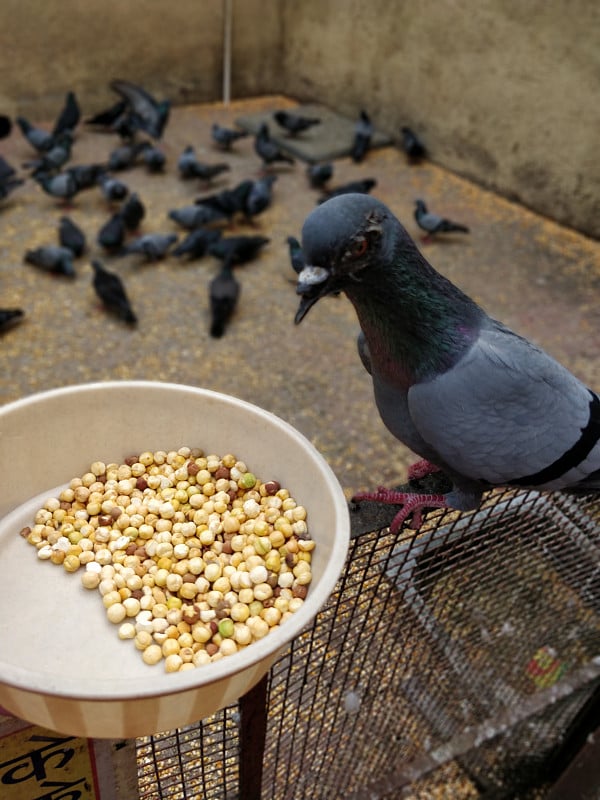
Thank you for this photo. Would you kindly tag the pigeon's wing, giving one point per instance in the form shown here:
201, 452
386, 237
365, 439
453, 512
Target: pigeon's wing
507, 413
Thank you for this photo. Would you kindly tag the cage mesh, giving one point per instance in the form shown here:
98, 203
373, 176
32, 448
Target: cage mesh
474, 640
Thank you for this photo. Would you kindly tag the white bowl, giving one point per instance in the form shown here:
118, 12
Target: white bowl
62, 664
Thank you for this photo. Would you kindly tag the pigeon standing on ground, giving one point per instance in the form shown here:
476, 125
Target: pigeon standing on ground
38, 138
361, 186
109, 288
228, 202
267, 149
113, 189
71, 236
10, 317
189, 166
260, 195
363, 133
133, 212
226, 137
238, 249
153, 246
223, 293
8, 179
62, 186
295, 123
190, 217
432, 223
154, 158
112, 233
85, 175
412, 145
319, 174
52, 258
54, 158
475, 400
145, 112
196, 244
125, 156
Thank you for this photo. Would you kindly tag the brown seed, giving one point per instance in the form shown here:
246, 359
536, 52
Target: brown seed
140, 552
137, 593
131, 460
130, 549
271, 487
290, 560
223, 472
299, 590
192, 468
105, 519
227, 548
24, 532
116, 512
189, 577
141, 484
214, 628
190, 614
211, 648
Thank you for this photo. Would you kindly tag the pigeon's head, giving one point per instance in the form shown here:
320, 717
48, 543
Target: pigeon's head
340, 238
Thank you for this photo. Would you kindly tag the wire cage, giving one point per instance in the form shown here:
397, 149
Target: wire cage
475, 640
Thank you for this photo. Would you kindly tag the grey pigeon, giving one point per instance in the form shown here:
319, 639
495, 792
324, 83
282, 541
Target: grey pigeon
238, 249
154, 158
145, 112
260, 195
362, 186
52, 258
38, 138
85, 175
125, 156
133, 212
412, 145
228, 202
363, 132
196, 243
432, 223
268, 149
472, 398
189, 166
112, 188
8, 179
190, 217
153, 246
111, 291
54, 158
62, 186
224, 293
10, 317
112, 233
319, 174
71, 236
295, 123
225, 137
108, 119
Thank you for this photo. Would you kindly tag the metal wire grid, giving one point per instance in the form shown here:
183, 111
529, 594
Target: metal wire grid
448, 644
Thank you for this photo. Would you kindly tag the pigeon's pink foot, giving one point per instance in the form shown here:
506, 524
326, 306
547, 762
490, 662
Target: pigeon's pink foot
420, 469
414, 504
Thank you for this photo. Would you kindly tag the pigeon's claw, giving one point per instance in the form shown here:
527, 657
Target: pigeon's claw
414, 504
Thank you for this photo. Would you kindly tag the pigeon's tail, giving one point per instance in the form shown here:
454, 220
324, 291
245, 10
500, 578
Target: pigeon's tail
217, 329
453, 227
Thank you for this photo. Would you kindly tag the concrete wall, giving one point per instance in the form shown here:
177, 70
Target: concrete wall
506, 92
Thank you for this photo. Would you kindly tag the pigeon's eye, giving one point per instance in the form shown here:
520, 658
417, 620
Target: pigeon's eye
358, 248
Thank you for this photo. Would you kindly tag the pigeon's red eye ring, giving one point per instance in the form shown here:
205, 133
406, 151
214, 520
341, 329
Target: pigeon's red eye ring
359, 248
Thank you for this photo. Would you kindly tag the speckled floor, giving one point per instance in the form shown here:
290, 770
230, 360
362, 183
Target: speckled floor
539, 278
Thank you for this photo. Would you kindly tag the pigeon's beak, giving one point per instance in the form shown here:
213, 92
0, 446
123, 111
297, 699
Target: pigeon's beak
313, 283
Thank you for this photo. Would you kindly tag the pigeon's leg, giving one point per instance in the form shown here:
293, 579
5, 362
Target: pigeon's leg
420, 469
411, 503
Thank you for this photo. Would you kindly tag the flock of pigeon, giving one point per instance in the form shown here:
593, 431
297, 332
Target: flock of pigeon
139, 120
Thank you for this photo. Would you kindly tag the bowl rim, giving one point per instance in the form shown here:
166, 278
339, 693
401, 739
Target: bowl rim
33, 681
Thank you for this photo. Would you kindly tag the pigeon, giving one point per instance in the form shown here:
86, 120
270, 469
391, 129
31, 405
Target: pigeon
260, 195
85, 175
154, 158
52, 258
297, 259
8, 179
69, 117
9, 317
363, 132
71, 236
226, 137
144, 111
319, 174
470, 397
54, 158
228, 202
189, 166
112, 234
190, 217
62, 185
38, 138
133, 212
362, 186
196, 243
412, 145
108, 118
432, 223
109, 288
267, 149
295, 123
113, 189
224, 293
125, 156
153, 246
238, 249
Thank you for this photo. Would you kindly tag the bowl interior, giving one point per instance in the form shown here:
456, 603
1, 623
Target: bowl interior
55, 636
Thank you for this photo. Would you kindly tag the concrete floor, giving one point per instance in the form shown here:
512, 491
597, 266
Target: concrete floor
539, 278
